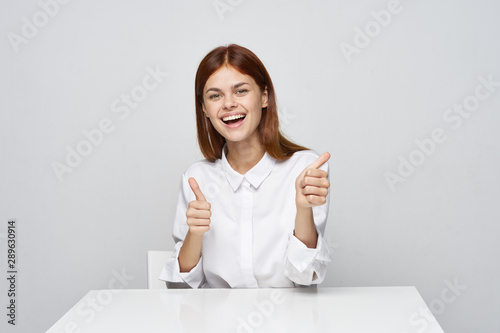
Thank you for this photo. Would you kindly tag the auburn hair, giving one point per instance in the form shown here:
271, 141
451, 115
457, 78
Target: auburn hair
246, 62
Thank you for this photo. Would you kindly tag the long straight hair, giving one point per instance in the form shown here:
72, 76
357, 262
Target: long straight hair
246, 62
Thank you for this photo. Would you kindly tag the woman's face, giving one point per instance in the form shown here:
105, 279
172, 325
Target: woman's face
233, 102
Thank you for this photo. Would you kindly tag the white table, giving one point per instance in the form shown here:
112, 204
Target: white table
339, 310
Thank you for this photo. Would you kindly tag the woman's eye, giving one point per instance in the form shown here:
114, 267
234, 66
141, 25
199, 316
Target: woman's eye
214, 96
241, 91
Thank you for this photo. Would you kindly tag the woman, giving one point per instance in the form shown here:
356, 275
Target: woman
253, 213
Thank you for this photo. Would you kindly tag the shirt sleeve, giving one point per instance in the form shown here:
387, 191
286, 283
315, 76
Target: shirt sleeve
171, 271
305, 266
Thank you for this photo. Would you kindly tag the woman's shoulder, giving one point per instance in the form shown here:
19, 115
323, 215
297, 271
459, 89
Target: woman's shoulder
202, 166
304, 158
304, 154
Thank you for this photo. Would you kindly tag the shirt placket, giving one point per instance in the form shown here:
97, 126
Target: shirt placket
247, 235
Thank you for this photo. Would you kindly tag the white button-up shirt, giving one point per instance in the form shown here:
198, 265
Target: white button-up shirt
250, 243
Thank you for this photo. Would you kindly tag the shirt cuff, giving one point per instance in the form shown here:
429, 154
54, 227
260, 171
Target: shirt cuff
194, 278
302, 257
303, 262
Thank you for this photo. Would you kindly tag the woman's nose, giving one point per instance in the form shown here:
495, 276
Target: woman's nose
229, 102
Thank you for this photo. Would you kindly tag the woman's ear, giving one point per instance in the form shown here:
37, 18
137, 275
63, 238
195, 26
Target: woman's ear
204, 109
264, 98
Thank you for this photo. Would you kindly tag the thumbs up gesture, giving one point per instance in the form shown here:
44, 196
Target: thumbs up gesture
312, 184
198, 213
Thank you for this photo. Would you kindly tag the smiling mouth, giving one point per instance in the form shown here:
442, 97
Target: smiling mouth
233, 119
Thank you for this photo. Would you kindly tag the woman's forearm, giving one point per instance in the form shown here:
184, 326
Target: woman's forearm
311, 190
305, 229
190, 252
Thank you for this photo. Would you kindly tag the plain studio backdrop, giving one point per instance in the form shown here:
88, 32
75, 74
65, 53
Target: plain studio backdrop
97, 125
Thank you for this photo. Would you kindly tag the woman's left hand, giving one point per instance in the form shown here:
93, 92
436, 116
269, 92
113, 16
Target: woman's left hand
312, 184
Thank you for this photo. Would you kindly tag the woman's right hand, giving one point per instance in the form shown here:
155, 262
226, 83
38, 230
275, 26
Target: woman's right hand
198, 213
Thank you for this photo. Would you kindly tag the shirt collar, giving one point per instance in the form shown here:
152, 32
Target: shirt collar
255, 176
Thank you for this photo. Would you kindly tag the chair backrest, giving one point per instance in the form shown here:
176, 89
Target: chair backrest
156, 261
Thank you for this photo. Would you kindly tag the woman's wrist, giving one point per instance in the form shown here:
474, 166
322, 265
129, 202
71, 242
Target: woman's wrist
190, 252
194, 236
305, 230
302, 207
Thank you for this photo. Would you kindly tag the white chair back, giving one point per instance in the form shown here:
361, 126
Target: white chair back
156, 261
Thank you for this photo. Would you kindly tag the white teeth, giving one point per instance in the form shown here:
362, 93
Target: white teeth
233, 117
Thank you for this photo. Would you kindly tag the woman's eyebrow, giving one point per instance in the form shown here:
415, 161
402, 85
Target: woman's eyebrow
236, 86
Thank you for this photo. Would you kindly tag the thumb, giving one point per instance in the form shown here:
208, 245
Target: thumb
196, 189
320, 161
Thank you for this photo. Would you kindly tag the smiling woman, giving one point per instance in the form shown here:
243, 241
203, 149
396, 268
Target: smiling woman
245, 65
265, 226
234, 110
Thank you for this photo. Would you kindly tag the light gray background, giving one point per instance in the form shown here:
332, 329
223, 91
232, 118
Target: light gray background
438, 227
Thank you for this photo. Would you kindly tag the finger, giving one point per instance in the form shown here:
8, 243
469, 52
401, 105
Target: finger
314, 181
198, 222
200, 205
313, 190
316, 200
199, 214
202, 228
320, 161
196, 189
315, 177
318, 173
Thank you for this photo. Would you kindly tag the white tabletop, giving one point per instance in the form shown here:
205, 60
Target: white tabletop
339, 310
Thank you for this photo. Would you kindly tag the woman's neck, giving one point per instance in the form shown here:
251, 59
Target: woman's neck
244, 155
